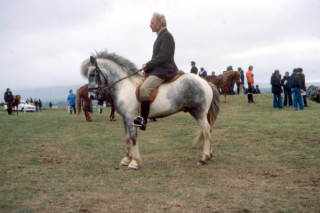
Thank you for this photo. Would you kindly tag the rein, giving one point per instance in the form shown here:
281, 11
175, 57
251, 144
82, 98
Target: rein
94, 62
128, 76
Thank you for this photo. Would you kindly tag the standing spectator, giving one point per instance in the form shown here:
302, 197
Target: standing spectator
194, 69
295, 84
100, 105
213, 73
287, 90
50, 104
250, 81
203, 72
72, 102
276, 89
303, 82
36, 104
241, 86
8, 98
40, 104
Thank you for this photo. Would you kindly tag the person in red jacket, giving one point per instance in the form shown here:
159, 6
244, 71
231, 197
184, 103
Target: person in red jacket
250, 81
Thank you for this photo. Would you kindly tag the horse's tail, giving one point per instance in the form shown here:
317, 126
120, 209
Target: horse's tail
215, 105
78, 102
211, 115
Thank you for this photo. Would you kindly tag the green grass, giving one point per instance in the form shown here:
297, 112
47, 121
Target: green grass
265, 160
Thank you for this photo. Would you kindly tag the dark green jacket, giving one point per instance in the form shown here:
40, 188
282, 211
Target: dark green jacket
8, 97
162, 63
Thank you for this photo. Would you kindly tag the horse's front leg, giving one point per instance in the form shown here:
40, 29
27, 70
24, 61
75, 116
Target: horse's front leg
85, 109
132, 158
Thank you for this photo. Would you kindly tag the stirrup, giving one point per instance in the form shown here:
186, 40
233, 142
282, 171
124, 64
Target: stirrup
140, 122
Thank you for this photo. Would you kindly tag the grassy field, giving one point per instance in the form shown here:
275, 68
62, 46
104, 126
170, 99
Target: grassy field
265, 160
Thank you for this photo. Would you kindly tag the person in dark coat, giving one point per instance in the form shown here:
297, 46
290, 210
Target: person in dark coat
160, 68
276, 89
287, 90
40, 105
241, 83
315, 95
303, 82
296, 85
193, 69
8, 98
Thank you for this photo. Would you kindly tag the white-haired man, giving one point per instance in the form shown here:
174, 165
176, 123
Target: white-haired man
160, 68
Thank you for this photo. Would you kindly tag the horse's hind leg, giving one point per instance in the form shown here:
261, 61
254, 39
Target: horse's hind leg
206, 136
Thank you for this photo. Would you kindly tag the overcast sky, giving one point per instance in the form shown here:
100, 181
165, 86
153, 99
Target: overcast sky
43, 42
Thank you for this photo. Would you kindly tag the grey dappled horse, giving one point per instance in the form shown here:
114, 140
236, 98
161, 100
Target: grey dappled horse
189, 93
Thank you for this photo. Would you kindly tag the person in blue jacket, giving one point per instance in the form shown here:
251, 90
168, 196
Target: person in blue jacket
72, 102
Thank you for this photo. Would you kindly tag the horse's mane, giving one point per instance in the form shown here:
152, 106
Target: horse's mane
124, 63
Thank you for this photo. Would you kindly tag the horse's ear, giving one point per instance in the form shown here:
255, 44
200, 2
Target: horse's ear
92, 60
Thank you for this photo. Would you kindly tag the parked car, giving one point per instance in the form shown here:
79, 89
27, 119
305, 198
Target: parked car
23, 106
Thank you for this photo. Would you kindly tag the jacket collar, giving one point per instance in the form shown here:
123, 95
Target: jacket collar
162, 30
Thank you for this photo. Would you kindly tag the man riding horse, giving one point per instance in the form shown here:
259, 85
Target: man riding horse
159, 69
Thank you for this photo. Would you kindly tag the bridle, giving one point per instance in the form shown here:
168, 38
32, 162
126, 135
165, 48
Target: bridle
98, 72
98, 90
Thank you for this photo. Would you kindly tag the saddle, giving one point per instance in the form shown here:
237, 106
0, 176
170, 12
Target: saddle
155, 91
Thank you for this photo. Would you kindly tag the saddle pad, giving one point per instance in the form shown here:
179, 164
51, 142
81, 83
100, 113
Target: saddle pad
155, 91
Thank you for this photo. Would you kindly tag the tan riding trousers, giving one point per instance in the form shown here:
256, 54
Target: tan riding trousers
148, 86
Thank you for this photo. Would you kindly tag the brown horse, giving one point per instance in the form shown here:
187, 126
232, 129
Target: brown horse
16, 102
225, 82
82, 94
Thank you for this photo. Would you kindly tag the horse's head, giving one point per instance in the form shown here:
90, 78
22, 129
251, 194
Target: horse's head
97, 80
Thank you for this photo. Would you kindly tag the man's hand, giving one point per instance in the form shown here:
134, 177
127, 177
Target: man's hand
144, 67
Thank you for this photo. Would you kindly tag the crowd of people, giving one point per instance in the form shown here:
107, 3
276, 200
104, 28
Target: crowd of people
293, 85
36, 102
9, 98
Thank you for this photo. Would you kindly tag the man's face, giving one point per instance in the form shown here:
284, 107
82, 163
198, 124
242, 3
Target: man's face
154, 25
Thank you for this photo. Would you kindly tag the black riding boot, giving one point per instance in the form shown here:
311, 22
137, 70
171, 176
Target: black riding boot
141, 121
252, 98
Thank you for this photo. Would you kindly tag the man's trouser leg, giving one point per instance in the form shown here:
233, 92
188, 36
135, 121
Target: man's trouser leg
145, 91
9, 107
249, 93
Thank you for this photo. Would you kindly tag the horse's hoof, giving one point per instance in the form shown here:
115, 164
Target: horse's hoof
113, 119
89, 120
125, 161
133, 165
201, 163
208, 158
